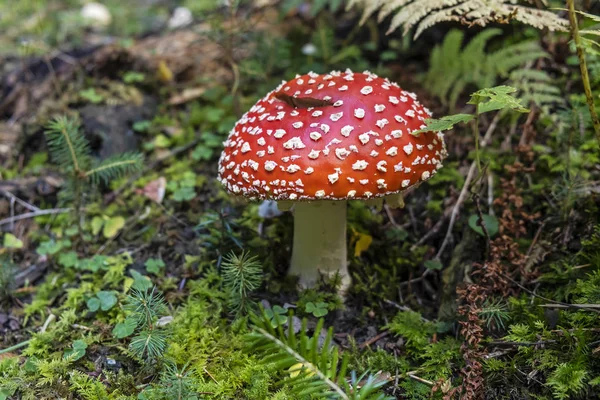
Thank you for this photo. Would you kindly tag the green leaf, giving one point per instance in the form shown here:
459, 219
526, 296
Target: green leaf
161, 141
78, 350
281, 314
184, 194
91, 96
112, 226
12, 242
497, 98
140, 282
93, 304
107, 300
444, 123
491, 224
97, 223
433, 264
188, 179
202, 152
318, 310
154, 265
142, 126
80, 345
133, 77
93, 264
5, 393
125, 328
52, 247
68, 259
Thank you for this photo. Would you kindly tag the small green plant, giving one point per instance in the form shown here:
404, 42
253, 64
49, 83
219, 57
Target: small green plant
145, 307
103, 300
110, 226
154, 265
176, 383
484, 100
494, 313
70, 150
318, 310
277, 316
77, 350
91, 95
241, 275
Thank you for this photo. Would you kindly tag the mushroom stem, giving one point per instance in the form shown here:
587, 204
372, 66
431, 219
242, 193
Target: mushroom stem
320, 242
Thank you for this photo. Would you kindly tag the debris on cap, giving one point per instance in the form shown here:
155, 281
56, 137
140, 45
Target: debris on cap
337, 136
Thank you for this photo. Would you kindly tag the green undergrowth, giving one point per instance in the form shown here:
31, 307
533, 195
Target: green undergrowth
162, 286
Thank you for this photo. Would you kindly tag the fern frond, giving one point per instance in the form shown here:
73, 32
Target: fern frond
313, 365
68, 147
426, 13
453, 70
115, 167
305, 371
536, 88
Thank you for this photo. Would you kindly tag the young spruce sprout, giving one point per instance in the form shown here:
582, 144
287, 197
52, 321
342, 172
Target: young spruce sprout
241, 275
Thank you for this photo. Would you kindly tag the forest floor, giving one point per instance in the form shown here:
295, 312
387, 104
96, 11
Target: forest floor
130, 297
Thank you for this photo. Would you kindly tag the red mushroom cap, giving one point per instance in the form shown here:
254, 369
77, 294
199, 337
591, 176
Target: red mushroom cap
358, 147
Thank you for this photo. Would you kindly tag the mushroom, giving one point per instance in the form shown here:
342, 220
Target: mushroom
316, 142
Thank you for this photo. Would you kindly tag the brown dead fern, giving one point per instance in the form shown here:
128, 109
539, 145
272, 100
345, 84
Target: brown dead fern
495, 277
426, 13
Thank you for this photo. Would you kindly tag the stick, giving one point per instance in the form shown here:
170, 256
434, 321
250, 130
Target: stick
34, 214
585, 79
18, 200
556, 304
374, 339
465, 188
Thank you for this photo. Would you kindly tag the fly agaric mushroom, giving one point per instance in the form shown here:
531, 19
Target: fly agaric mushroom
320, 140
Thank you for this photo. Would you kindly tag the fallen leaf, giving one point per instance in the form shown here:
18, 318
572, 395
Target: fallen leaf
164, 73
362, 243
155, 190
186, 95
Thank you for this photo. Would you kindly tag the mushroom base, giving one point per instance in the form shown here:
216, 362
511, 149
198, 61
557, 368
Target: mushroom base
320, 242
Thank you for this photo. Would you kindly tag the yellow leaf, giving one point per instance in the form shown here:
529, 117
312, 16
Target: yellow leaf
362, 243
12, 242
97, 223
164, 73
112, 226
